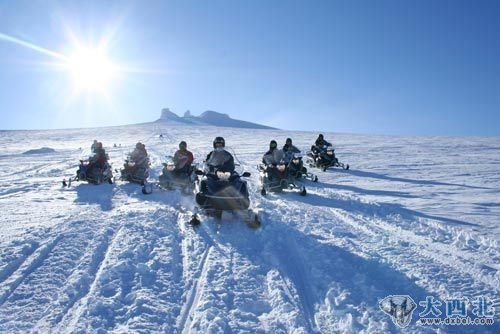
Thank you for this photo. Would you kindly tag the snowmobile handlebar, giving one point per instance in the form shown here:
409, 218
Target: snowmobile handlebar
200, 173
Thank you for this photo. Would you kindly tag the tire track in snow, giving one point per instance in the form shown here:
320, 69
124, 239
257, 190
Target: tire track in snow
378, 232
373, 239
37, 168
14, 265
294, 272
73, 314
413, 247
77, 284
31, 264
144, 278
193, 294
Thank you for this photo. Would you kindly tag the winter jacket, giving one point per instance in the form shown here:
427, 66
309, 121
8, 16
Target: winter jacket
321, 142
183, 159
139, 156
290, 149
100, 158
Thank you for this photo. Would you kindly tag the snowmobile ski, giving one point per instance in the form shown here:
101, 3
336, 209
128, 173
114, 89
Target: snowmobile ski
250, 217
195, 220
147, 188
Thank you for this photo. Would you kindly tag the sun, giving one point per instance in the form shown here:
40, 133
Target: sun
91, 69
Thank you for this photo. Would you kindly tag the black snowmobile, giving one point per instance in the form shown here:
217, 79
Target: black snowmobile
135, 173
219, 187
323, 158
182, 178
93, 173
297, 170
279, 177
95, 169
222, 190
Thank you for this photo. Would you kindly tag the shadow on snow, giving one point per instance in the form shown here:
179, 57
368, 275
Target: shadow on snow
400, 179
95, 194
324, 276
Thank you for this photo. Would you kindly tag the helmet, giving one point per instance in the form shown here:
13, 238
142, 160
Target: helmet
98, 145
138, 145
182, 145
273, 144
219, 142
320, 136
289, 141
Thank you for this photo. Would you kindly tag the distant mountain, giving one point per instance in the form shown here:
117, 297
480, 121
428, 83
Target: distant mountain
209, 117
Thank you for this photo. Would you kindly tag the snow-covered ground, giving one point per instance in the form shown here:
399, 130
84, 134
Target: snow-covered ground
415, 216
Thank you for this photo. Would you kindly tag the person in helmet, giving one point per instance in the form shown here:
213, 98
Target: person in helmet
183, 159
93, 146
289, 148
272, 159
274, 155
219, 158
319, 144
137, 164
100, 158
139, 155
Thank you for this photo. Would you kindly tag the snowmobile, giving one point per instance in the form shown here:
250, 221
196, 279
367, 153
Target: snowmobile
222, 190
172, 178
324, 158
134, 172
92, 173
297, 170
279, 177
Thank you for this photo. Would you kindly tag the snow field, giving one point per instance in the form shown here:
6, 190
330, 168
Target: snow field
415, 216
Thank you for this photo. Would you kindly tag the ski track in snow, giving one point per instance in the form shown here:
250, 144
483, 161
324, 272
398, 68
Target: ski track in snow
404, 220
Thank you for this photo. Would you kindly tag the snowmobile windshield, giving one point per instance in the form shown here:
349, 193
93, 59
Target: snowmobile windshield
222, 160
294, 149
274, 157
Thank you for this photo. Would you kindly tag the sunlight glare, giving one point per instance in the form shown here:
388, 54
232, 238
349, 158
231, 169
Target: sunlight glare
91, 69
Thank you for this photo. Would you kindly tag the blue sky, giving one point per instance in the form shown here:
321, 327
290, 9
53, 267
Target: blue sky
428, 67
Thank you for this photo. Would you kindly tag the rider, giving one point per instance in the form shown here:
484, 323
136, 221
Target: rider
289, 147
137, 161
320, 150
272, 158
98, 160
183, 159
100, 157
93, 146
139, 155
320, 142
219, 158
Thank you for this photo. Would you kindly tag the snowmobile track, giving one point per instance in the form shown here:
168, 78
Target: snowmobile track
414, 248
14, 265
194, 294
79, 305
195, 286
29, 265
